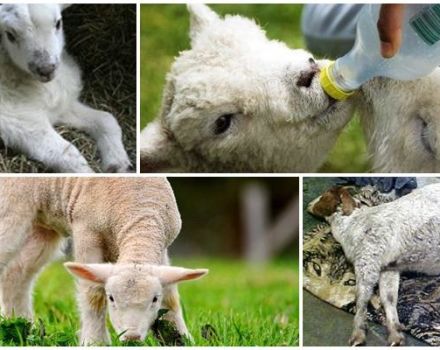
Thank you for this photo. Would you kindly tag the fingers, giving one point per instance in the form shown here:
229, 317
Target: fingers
389, 26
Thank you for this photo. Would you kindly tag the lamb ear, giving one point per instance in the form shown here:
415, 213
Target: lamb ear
64, 6
98, 273
200, 17
348, 203
169, 92
170, 274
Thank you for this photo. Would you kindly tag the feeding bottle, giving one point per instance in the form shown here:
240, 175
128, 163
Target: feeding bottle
418, 56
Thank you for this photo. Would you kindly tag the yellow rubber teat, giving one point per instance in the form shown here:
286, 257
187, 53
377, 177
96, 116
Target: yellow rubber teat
329, 85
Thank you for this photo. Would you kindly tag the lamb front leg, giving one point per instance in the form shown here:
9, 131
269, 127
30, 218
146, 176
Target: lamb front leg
41, 142
171, 302
92, 305
104, 128
91, 297
389, 290
366, 278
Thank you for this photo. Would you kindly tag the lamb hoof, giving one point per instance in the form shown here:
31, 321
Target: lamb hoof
117, 168
396, 339
400, 327
92, 342
357, 338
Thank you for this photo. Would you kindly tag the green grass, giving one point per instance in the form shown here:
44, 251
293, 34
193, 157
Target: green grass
242, 305
164, 31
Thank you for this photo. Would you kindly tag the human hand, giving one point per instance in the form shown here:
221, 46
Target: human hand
389, 26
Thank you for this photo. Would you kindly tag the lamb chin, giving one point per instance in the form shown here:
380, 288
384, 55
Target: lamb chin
324, 117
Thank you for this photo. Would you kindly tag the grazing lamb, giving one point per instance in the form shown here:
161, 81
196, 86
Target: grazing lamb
40, 85
382, 242
121, 229
239, 102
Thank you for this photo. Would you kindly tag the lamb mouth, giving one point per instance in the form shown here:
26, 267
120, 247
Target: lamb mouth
324, 116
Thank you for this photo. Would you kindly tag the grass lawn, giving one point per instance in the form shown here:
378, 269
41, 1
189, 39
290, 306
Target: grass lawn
164, 33
244, 306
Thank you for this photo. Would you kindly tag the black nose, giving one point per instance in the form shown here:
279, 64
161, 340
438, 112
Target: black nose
306, 76
46, 70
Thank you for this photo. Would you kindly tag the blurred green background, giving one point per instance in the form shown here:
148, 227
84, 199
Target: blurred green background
164, 33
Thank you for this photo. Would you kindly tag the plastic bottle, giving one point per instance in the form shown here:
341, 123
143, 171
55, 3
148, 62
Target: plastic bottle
418, 56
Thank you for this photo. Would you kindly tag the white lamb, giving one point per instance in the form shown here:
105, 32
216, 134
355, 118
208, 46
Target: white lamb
40, 85
237, 101
121, 229
382, 242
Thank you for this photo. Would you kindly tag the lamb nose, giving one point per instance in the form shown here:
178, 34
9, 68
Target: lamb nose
306, 77
46, 70
132, 336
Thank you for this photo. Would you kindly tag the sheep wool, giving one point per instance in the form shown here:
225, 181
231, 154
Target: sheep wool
121, 229
383, 241
239, 102
40, 86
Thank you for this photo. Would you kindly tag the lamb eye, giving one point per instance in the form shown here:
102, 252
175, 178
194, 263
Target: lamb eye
312, 61
110, 297
223, 123
350, 282
11, 37
58, 25
317, 269
154, 299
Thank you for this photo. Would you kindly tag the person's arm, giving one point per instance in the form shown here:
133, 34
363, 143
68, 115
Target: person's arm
389, 26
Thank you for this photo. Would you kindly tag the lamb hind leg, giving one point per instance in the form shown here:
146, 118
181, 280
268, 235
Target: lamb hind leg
14, 228
16, 282
104, 128
41, 142
365, 282
13, 232
389, 290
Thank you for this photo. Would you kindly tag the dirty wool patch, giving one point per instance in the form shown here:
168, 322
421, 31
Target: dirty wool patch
102, 39
329, 276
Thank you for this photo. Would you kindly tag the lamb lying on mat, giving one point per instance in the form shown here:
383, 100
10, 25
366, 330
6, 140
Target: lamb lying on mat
382, 242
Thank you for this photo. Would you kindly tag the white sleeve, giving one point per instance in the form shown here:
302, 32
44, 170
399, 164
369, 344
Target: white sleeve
329, 29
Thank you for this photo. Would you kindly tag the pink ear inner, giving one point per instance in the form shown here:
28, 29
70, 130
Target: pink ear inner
191, 276
84, 273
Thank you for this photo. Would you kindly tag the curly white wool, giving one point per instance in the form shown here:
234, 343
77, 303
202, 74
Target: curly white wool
121, 230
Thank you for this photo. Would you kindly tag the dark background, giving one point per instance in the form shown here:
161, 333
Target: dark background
212, 215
